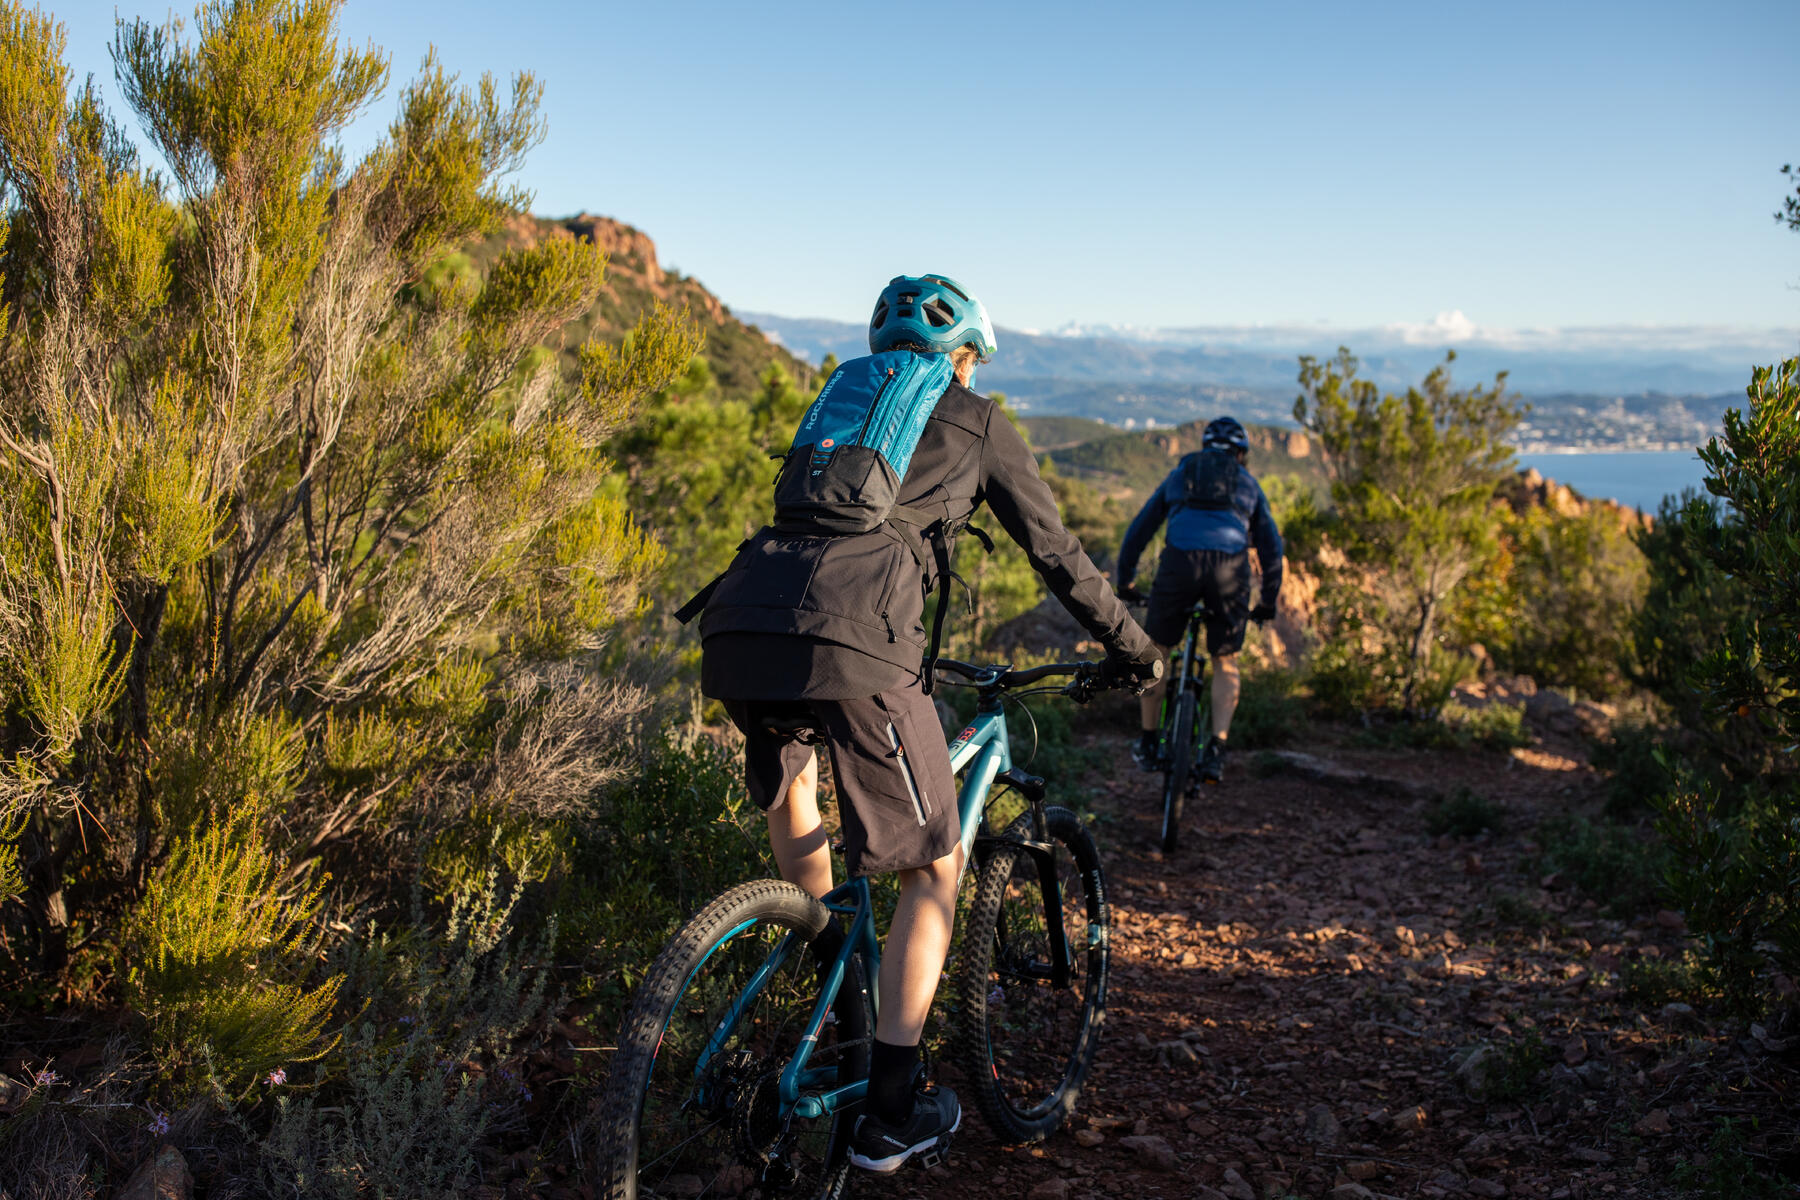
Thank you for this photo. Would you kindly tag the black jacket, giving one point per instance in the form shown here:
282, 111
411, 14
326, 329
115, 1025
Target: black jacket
854, 605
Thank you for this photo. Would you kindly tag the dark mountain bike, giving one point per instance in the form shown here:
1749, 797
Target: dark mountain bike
743, 1058
1186, 710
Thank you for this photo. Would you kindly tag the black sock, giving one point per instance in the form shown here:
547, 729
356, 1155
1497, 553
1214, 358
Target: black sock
891, 1073
825, 947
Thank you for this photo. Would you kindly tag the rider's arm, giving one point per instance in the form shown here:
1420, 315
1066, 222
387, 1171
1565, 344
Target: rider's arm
1267, 540
1143, 527
1023, 504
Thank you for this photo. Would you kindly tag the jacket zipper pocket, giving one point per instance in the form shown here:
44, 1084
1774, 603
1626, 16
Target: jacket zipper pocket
912, 786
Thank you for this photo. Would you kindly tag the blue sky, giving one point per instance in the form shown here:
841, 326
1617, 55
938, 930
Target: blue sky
1528, 165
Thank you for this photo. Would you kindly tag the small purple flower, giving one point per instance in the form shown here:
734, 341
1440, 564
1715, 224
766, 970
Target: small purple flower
277, 1077
159, 1125
406, 1020
525, 1094
46, 1078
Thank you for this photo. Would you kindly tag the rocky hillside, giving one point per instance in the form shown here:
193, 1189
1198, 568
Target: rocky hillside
739, 353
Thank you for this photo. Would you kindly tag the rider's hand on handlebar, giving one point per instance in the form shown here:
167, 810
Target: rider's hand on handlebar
1129, 593
1263, 613
1133, 672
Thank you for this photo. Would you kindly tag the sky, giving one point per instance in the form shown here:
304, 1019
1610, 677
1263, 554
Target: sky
1520, 165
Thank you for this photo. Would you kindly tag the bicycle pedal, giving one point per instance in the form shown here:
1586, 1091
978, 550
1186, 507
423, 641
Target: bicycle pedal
936, 1156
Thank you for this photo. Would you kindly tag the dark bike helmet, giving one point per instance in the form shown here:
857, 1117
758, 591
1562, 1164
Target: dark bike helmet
1226, 432
933, 311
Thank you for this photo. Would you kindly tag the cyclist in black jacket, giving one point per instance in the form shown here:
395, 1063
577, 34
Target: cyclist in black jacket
820, 639
1216, 511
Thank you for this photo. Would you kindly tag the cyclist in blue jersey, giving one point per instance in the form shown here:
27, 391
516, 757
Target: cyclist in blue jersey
1216, 512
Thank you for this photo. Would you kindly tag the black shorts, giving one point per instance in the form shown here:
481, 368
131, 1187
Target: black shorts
896, 793
1216, 578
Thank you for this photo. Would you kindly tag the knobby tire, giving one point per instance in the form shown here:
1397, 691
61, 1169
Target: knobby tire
1025, 1047
1181, 766
665, 1129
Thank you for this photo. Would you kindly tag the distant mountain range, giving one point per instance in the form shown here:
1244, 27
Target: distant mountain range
1617, 387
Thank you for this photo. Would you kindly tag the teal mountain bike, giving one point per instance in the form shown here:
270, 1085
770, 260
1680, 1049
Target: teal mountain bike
744, 1057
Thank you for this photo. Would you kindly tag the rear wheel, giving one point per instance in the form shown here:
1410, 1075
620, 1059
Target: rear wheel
692, 1105
1028, 1038
1181, 765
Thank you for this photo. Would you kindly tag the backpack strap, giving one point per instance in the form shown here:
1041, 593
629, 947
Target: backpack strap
941, 534
698, 601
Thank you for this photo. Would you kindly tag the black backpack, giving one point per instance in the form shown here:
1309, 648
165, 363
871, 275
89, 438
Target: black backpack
1209, 479
842, 561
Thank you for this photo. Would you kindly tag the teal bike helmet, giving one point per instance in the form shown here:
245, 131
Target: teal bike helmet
933, 311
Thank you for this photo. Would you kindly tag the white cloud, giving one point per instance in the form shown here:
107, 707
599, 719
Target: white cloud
1444, 329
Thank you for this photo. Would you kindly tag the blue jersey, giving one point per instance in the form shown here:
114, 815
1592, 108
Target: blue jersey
1228, 530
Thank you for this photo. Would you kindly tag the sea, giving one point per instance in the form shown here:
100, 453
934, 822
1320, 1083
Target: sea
1640, 478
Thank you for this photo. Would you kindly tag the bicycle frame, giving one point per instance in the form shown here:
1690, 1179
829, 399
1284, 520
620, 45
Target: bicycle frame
1190, 659
980, 752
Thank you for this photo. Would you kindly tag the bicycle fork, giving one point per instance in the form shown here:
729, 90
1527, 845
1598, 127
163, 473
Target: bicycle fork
1060, 971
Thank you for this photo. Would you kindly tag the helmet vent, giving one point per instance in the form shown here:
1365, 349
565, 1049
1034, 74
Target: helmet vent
948, 286
939, 313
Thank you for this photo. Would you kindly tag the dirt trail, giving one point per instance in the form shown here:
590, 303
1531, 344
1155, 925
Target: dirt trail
1291, 994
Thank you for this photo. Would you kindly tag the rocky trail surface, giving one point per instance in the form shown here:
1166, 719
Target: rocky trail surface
1316, 997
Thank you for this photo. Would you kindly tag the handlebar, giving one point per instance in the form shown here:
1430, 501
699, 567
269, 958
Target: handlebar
1089, 677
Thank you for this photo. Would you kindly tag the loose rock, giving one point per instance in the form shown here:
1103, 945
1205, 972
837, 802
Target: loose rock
163, 1176
1089, 1137
1054, 1188
1151, 1150
1237, 1187
1410, 1120
1322, 1126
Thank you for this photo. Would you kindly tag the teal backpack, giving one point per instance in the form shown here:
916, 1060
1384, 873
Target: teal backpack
842, 474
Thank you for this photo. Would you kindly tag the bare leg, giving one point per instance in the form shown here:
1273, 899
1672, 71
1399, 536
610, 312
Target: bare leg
1224, 693
1150, 703
797, 835
912, 959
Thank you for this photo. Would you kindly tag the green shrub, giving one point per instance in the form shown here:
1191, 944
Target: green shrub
429, 1065
1579, 581
1515, 910
655, 848
1733, 817
1454, 727
1465, 813
1517, 1069
1651, 983
1495, 726
220, 957
1270, 711
1736, 877
1621, 866
1639, 779
1728, 1171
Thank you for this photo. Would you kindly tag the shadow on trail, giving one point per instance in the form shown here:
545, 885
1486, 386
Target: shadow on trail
1293, 991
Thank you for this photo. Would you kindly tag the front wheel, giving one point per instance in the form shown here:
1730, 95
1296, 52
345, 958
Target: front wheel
1181, 766
692, 1105
1033, 1002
